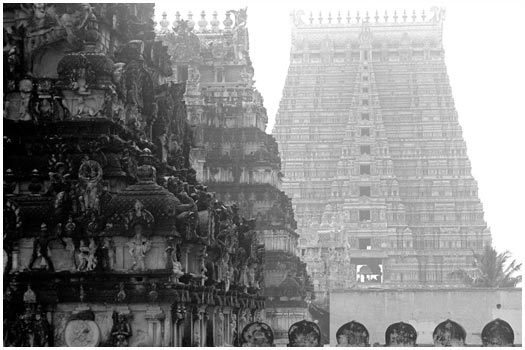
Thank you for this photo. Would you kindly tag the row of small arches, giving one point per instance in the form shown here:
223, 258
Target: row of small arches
308, 334
448, 333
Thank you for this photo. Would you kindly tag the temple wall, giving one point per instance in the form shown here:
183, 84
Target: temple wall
425, 309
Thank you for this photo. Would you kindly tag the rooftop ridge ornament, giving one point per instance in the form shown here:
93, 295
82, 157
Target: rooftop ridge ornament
164, 23
228, 22
439, 15
215, 22
191, 22
177, 19
203, 23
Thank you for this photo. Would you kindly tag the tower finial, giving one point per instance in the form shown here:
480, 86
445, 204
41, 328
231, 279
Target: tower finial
414, 16
311, 19
215, 22
177, 19
339, 17
404, 15
191, 22
203, 23
348, 17
423, 16
329, 17
386, 16
228, 22
376, 17
164, 23
395, 16
357, 17
320, 17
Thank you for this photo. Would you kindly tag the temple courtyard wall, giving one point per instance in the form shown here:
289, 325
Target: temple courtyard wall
425, 309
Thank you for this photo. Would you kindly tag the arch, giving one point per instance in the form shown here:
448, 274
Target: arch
449, 333
304, 333
352, 334
257, 334
400, 334
497, 333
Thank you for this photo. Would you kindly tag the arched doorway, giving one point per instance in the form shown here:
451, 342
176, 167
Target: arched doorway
449, 333
400, 334
497, 333
352, 334
304, 334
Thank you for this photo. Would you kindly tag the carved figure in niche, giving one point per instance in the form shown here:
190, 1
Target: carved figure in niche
129, 165
41, 252
138, 216
174, 260
83, 256
87, 255
121, 295
352, 334
153, 295
257, 334
41, 328
35, 184
43, 19
90, 173
304, 333
138, 248
121, 330
70, 227
251, 275
108, 254
80, 84
26, 328
26, 89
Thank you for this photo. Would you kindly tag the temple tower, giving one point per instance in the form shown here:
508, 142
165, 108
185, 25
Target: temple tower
373, 155
235, 157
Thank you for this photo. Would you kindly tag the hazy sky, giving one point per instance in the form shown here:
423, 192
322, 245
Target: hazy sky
485, 56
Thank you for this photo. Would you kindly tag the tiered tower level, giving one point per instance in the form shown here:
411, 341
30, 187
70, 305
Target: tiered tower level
234, 156
373, 154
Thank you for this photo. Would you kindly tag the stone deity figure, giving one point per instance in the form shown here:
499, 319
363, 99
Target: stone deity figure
121, 330
176, 266
108, 254
41, 328
80, 85
25, 88
41, 252
138, 248
83, 256
90, 173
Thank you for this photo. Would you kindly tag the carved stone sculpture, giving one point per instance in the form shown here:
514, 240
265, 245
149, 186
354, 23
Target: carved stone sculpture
90, 173
138, 248
121, 330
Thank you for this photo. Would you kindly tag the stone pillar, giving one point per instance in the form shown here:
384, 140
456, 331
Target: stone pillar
168, 340
156, 326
